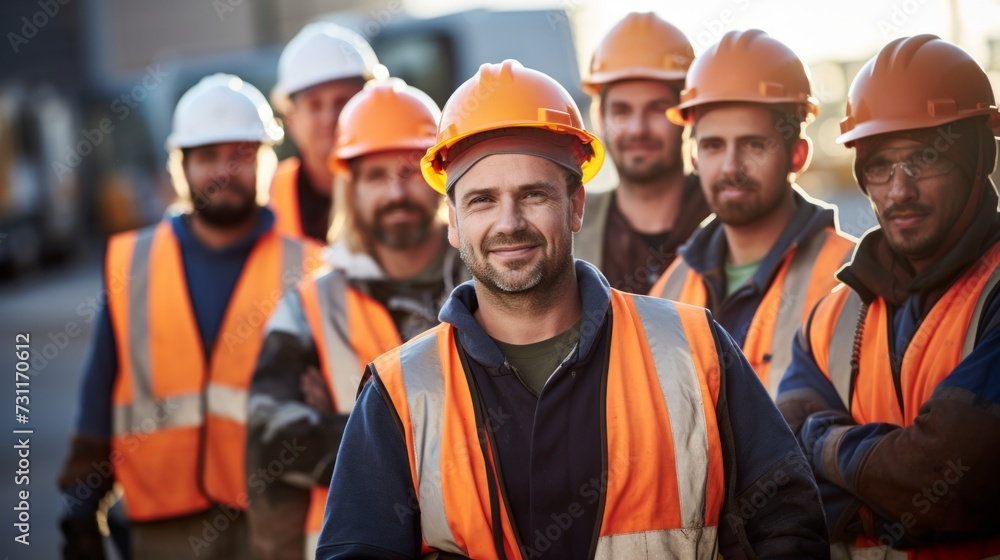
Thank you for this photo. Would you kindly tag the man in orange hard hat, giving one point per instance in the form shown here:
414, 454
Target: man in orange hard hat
633, 231
320, 69
770, 252
391, 269
549, 415
894, 390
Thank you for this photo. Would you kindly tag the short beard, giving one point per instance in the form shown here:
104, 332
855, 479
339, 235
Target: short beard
532, 292
405, 236
224, 215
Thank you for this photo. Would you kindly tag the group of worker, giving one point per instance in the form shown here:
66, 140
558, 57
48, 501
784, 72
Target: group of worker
472, 368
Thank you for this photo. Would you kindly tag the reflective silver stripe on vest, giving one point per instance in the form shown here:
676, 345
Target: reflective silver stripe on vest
842, 347
291, 263
667, 543
138, 316
675, 282
793, 299
341, 361
424, 382
227, 402
681, 389
148, 415
977, 314
588, 243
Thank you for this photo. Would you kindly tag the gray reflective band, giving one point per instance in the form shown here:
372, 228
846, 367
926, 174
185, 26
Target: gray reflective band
138, 320
227, 402
667, 543
423, 379
675, 282
977, 313
793, 298
842, 347
681, 390
291, 263
588, 243
341, 360
147, 415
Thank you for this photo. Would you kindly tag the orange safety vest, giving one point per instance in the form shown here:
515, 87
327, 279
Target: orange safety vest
806, 274
665, 485
945, 337
284, 200
179, 419
350, 330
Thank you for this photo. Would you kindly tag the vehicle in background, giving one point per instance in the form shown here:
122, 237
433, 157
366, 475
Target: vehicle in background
41, 214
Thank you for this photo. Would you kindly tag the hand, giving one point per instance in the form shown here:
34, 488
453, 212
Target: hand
313, 388
82, 539
813, 434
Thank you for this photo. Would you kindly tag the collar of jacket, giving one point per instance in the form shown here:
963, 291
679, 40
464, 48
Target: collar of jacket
182, 229
705, 252
877, 271
595, 294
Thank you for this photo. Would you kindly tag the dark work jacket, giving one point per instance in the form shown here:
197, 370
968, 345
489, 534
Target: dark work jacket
549, 446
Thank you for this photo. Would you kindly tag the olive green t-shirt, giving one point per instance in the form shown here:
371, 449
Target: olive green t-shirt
536, 362
737, 275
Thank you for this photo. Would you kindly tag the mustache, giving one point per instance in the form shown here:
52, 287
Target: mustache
906, 208
401, 205
641, 141
500, 241
736, 182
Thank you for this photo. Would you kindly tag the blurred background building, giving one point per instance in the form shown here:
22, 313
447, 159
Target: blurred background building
88, 87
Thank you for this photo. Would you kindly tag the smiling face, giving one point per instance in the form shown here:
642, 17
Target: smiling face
393, 203
915, 213
742, 162
644, 145
513, 221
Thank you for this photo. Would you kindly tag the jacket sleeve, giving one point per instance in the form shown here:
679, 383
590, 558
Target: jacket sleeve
772, 507
372, 510
90, 446
278, 418
934, 479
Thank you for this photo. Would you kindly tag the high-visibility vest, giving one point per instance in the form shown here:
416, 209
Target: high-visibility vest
665, 486
806, 274
944, 338
179, 419
350, 330
284, 199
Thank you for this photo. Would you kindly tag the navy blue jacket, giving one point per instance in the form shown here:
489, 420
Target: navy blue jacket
706, 251
549, 447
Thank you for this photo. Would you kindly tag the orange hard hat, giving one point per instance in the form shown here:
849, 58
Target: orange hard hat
507, 95
917, 82
641, 46
750, 67
386, 115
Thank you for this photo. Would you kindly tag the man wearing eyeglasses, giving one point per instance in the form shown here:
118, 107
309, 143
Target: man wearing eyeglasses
894, 386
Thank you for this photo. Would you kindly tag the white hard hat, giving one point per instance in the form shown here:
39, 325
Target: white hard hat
322, 52
223, 108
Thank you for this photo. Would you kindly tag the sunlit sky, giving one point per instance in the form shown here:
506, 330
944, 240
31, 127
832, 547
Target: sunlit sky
815, 30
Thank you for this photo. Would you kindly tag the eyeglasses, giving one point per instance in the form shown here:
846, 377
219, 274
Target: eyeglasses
921, 165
